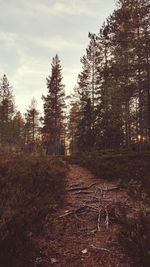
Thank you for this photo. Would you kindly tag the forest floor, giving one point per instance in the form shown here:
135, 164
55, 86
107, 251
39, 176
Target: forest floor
84, 232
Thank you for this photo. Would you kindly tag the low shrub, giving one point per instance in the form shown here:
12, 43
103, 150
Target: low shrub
134, 236
31, 188
125, 167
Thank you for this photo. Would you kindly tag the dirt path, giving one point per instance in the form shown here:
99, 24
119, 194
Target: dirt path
84, 232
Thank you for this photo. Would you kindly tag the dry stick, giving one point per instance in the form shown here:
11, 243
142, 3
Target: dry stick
104, 249
109, 188
87, 229
99, 213
99, 220
107, 218
75, 185
93, 207
92, 185
84, 192
76, 188
65, 214
72, 212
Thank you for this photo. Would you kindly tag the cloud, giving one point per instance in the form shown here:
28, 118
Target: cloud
58, 8
33, 31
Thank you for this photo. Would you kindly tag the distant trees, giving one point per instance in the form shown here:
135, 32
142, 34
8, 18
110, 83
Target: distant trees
16, 131
27, 133
54, 104
31, 123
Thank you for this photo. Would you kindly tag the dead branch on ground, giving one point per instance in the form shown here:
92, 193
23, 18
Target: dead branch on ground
99, 220
98, 248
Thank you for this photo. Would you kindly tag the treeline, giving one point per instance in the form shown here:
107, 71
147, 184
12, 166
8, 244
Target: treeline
30, 132
16, 130
111, 104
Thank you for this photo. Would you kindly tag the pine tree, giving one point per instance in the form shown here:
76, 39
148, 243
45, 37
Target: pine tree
72, 127
85, 140
114, 85
135, 31
6, 110
54, 105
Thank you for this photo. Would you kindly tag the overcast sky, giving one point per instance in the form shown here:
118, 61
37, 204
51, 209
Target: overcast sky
33, 31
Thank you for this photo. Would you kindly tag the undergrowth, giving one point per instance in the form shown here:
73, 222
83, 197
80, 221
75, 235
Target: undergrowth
31, 189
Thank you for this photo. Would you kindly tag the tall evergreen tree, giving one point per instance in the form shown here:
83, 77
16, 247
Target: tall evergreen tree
54, 105
84, 125
73, 127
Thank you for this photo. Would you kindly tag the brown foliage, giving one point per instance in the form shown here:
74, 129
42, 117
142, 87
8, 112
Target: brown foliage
31, 188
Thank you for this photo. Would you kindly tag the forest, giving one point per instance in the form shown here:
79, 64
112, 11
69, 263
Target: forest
109, 108
91, 147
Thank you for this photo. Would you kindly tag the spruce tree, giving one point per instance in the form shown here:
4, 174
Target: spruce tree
84, 135
73, 126
54, 104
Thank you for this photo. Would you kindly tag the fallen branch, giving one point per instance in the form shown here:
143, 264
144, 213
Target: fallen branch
92, 185
98, 248
75, 185
66, 214
83, 192
93, 207
107, 218
76, 189
99, 220
70, 212
109, 188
